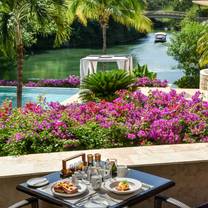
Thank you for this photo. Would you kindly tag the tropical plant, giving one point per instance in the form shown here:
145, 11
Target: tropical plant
6, 64
202, 48
103, 85
20, 20
175, 5
126, 12
183, 47
142, 71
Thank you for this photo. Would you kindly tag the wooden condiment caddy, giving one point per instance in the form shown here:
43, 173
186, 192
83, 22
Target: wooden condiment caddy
65, 172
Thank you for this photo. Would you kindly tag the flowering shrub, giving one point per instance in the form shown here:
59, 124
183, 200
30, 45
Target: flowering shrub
74, 81
147, 82
131, 119
70, 81
8, 83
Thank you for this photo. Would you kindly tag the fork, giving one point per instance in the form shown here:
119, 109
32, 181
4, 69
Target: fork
85, 198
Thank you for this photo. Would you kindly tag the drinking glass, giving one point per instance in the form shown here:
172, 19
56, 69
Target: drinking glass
122, 171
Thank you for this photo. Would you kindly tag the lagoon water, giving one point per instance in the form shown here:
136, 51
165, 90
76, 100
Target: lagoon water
156, 57
59, 63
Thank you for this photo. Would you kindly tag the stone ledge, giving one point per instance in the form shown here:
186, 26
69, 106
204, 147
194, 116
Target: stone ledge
145, 90
37, 164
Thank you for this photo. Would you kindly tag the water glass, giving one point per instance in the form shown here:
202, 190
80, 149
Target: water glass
105, 173
96, 182
122, 171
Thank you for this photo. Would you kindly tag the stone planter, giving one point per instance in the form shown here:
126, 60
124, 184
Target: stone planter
204, 79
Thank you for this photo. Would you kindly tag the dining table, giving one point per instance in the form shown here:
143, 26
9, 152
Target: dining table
151, 186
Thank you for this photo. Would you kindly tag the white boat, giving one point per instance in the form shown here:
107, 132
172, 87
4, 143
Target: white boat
160, 37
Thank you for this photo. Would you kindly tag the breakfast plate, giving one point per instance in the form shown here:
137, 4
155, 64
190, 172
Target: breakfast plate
123, 185
65, 188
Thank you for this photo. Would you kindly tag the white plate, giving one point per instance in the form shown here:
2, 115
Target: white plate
134, 185
81, 189
37, 182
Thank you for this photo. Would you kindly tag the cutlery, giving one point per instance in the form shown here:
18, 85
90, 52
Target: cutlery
85, 198
146, 186
105, 203
107, 197
45, 187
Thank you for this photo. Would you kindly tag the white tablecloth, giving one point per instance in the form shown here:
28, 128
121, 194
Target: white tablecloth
88, 65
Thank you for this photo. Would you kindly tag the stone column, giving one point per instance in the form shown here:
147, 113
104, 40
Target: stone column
204, 79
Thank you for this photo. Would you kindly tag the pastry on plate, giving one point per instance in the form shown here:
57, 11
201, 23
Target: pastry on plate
65, 187
123, 186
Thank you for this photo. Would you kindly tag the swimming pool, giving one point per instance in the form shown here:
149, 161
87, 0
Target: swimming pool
32, 94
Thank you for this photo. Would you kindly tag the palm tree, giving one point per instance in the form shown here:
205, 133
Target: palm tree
16, 16
126, 12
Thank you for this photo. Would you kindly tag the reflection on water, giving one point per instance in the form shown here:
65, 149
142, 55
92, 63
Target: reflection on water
60, 63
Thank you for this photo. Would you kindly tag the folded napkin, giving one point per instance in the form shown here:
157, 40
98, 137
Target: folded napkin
37, 182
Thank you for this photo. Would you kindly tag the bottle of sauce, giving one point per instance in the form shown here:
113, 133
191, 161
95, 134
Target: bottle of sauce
90, 160
113, 164
98, 160
89, 166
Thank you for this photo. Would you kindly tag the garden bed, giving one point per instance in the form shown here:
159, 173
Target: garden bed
133, 119
74, 81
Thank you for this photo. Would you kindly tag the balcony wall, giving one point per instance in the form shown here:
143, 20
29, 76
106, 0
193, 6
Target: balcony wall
186, 164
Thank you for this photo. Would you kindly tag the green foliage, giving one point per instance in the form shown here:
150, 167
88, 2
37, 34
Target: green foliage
43, 141
157, 4
142, 71
33, 145
202, 47
175, 5
103, 85
188, 82
181, 5
127, 12
183, 47
191, 16
6, 63
32, 18
92, 136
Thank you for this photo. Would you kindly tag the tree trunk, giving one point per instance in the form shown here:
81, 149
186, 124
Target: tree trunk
20, 57
19, 75
104, 31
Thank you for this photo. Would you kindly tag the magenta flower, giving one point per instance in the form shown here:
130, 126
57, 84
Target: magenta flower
142, 134
131, 136
19, 137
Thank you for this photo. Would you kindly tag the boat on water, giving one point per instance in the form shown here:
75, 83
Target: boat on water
160, 37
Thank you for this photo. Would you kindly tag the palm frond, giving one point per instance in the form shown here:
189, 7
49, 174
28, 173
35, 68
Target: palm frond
202, 49
84, 9
126, 12
7, 37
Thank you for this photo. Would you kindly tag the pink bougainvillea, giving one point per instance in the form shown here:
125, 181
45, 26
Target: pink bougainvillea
159, 118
